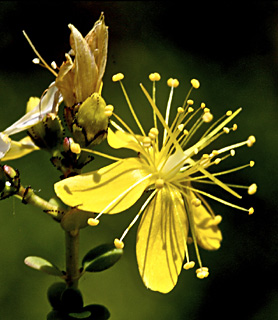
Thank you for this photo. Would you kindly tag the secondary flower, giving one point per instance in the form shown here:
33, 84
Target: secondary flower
10, 149
169, 165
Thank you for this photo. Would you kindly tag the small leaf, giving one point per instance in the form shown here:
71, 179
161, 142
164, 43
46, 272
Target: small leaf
101, 258
43, 265
98, 312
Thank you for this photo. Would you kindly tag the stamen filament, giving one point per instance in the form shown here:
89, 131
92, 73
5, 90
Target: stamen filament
101, 154
138, 215
39, 56
132, 110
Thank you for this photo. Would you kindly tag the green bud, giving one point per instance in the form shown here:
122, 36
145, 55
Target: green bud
9, 181
48, 134
91, 122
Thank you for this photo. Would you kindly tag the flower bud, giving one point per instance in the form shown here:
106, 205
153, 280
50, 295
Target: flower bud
91, 122
48, 134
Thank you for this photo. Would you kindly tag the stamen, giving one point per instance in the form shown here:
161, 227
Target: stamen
173, 83
108, 110
92, 222
147, 142
251, 140
196, 202
117, 77
189, 265
38, 55
195, 83
153, 133
251, 211
202, 273
154, 76
36, 61
252, 189
118, 244
207, 117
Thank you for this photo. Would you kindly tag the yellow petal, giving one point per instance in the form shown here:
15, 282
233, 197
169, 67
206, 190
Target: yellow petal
111, 189
208, 234
161, 240
20, 148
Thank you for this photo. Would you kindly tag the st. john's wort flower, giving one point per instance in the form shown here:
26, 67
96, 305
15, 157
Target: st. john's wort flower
168, 167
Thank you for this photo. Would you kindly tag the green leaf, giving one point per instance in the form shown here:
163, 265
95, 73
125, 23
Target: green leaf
101, 258
98, 312
43, 265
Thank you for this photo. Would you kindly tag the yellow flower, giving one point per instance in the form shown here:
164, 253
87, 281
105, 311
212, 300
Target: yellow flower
166, 167
36, 110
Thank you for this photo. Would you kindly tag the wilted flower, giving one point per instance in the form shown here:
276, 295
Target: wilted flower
80, 82
167, 166
49, 103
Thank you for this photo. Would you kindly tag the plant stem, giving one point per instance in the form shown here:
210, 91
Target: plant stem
72, 261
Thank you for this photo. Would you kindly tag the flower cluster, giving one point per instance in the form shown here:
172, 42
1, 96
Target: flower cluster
167, 165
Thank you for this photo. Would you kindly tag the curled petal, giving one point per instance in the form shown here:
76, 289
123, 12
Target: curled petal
47, 104
111, 189
119, 139
161, 240
5, 144
19, 149
208, 234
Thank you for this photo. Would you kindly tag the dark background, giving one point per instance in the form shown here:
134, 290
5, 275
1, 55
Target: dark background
232, 49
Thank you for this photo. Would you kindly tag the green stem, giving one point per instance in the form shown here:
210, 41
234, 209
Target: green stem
72, 261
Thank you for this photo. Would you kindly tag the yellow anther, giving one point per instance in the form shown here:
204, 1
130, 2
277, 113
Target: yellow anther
52, 115
251, 211
154, 76
217, 160
229, 113
185, 132
173, 83
153, 133
119, 243
180, 127
214, 153
226, 130
251, 163
189, 265
93, 222
251, 140
108, 110
159, 183
180, 110
147, 142
117, 77
232, 152
217, 219
53, 65
252, 189
195, 83
206, 109
207, 117
36, 60
196, 202
190, 102
202, 273
190, 110
203, 105
75, 148
234, 127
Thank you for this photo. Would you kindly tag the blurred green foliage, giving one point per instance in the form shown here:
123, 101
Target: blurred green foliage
232, 49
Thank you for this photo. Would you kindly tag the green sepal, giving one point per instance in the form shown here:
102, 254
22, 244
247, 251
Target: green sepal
43, 265
54, 294
48, 134
72, 300
101, 258
91, 121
